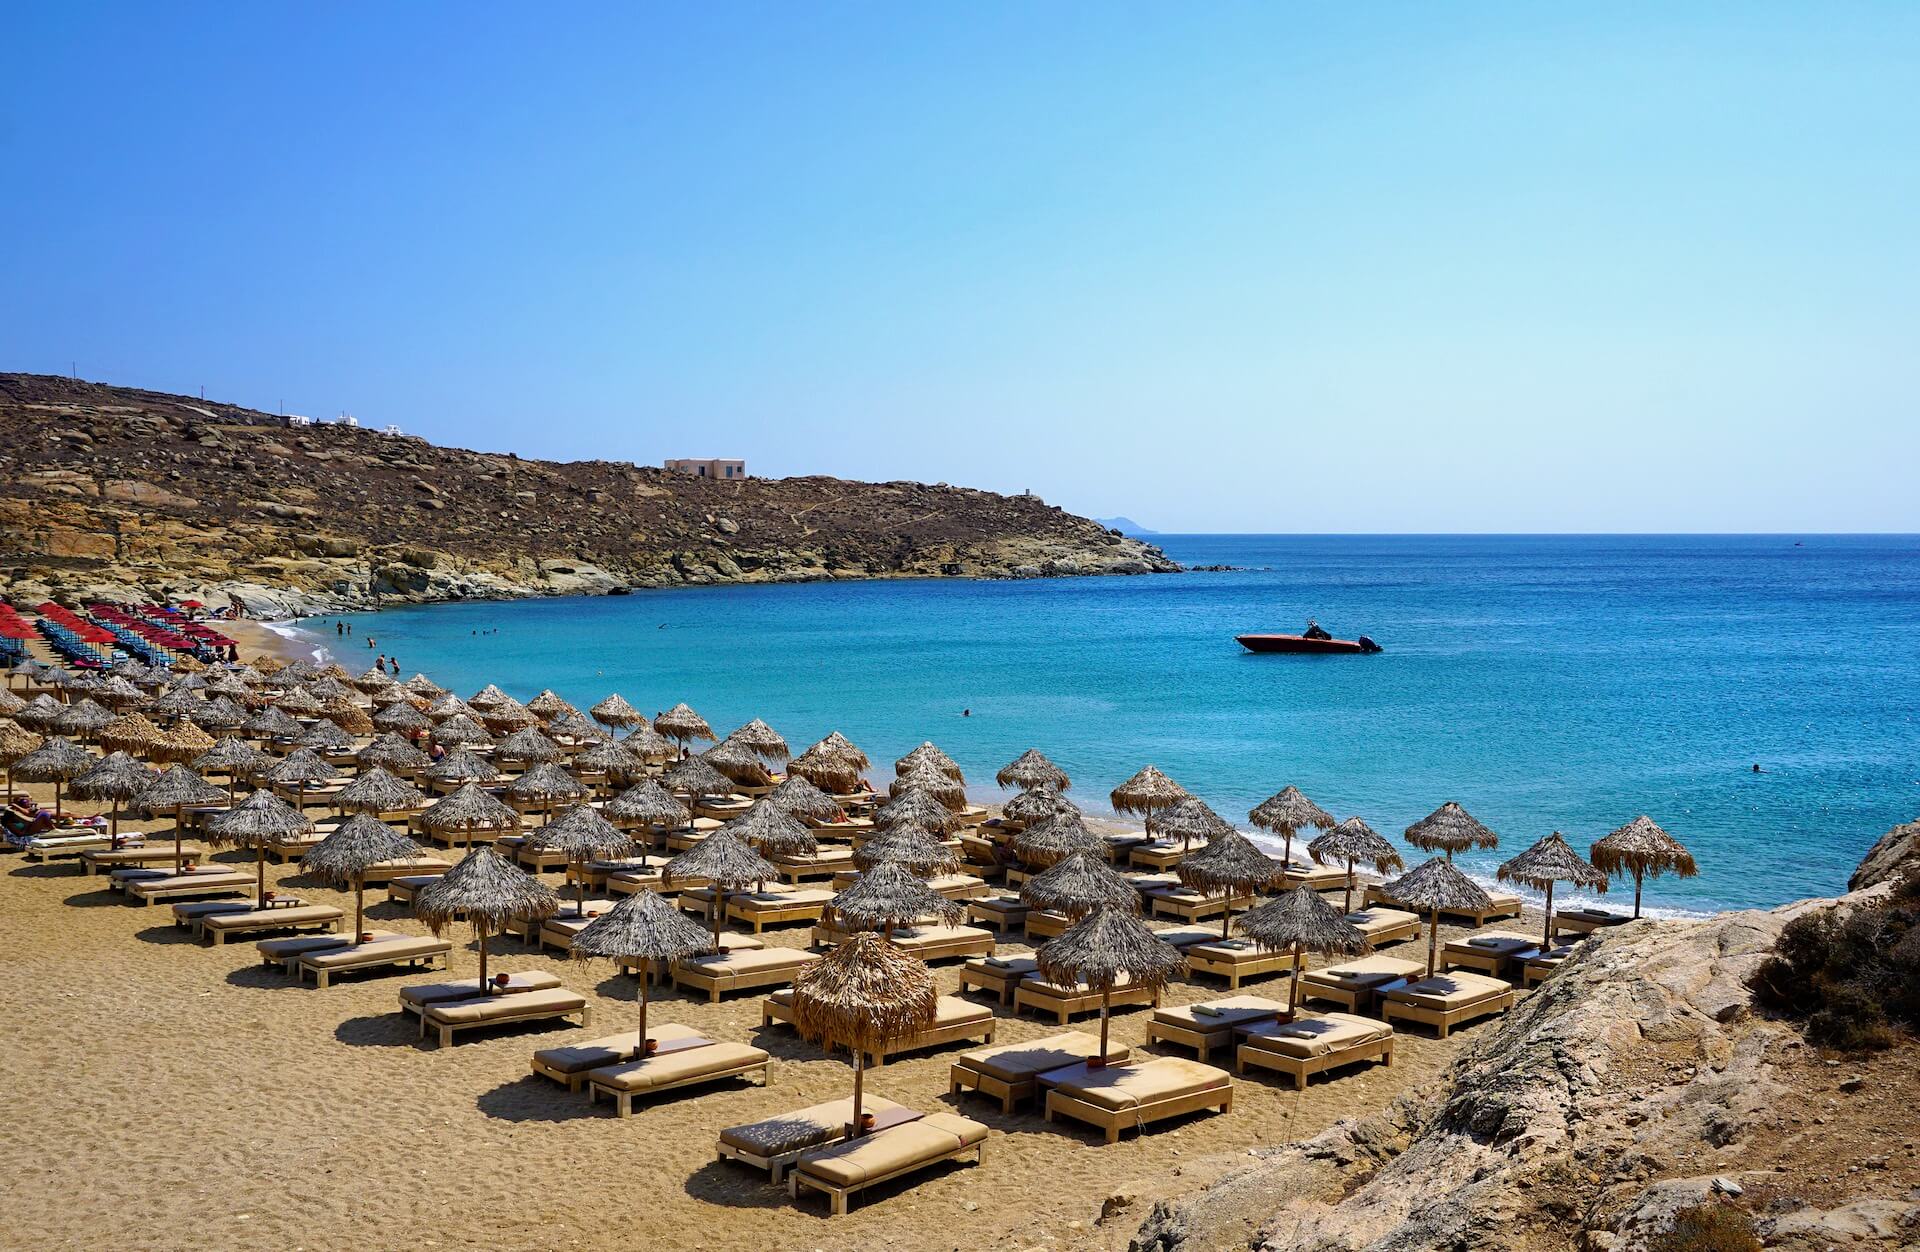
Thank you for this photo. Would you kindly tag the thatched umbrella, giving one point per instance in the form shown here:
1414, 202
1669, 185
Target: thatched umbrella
39, 712
116, 777
271, 723
908, 846
1190, 819
548, 786
371, 680
299, 703
1547, 862
576, 726
449, 705
467, 810
182, 742
642, 927
548, 704
889, 895
616, 712
56, 761
402, 718
528, 747
1077, 884
178, 703
177, 789
864, 994
117, 692
804, 800
462, 767
611, 759
15, 742
739, 763
302, 768
1230, 865
1644, 850
581, 834
346, 715
387, 697
394, 754
1060, 836
83, 718
376, 791
491, 891
1435, 886
1107, 947
725, 860
222, 714
925, 778
683, 724
1354, 840
507, 716
759, 737
774, 831
349, 851
1301, 922
916, 806
1036, 804
1032, 769
697, 780
648, 744
324, 736
1144, 792
1286, 813
489, 697
9, 702
647, 801
832, 774
1450, 829
236, 758
328, 687
254, 823
929, 756
461, 731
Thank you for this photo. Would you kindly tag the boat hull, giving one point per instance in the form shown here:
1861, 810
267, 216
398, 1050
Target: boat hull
1300, 644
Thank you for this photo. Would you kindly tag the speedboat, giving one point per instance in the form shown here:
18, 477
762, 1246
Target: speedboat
1301, 643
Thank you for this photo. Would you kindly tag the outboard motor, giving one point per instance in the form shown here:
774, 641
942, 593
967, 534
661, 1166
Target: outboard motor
1367, 645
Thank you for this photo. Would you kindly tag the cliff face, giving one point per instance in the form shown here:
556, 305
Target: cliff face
119, 490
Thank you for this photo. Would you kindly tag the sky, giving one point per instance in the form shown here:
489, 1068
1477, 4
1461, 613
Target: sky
1267, 267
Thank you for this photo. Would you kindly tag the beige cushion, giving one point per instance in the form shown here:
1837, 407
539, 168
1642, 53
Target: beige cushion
197, 879
793, 897
914, 938
1307, 1037
1376, 918
665, 1068
950, 1011
1187, 936
296, 945
740, 961
1009, 967
596, 1053
380, 951
1014, 1062
1368, 971
1119, 1087
1034, 984
802, 1128
855, 1161
441, 992
1232, 1011
550, 1001
1450, 991
299, 915
1494, 943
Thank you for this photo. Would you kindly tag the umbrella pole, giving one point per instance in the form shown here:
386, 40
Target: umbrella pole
1106, 998
1546, 939
176, 836
1293, 996
480, 933
1226, 916
359, 904
260, 872
641, 1050
1349, 884
56, 797
715, 908
1636, 893
1433, 939
1286, 853
859, 1083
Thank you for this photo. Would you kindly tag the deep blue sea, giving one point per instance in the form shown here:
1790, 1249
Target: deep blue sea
1547, 683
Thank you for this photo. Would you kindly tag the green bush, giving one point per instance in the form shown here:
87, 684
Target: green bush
1708, 1227
1854, 978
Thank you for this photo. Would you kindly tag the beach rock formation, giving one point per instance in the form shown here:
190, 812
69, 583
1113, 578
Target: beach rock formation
1635, 1083
127, 493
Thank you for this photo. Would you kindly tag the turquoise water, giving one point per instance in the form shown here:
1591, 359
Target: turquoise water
1547, 683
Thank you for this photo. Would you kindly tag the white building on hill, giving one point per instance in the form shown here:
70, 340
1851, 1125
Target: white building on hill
710, 468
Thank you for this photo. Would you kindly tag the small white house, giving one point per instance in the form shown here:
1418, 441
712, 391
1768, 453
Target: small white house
346, 419
708, 468
294, 419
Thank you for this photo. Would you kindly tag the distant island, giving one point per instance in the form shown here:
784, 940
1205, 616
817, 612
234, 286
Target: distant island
1125, 525
119, 493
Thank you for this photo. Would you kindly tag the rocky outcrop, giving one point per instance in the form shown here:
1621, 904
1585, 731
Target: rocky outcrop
108, 489
1895, 853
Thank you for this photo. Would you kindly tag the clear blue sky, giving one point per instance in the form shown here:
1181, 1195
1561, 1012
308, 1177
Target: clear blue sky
1269, 267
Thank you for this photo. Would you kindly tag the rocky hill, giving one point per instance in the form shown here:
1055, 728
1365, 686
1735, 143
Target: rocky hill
117, 490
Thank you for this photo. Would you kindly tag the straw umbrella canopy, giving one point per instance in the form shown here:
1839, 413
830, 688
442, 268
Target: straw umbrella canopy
396, 694
236, 758
327, 688
467, 810
182, 742
647, 801
15, 742
615, 711
506, 717
1032, 769
835, 774
175, 790
642, 927
299, 703
924, 777
301, 769
116, 777
916, 806
371, 680
1301, 922
1644, 850
271, 723
864, 994
763, 739
908, 846
1353, 840
349, 851
612, 759
1231, 865
1077, 884
1450, 829
697, 780
117, 692
347, 716
403, 718
648, 744
9, 702
56, 761
1190, 819
547, 785
1036, 804
891, 894
376, 791
577, 726
491, 891
527, 747
739, 763
548, 704
461, 767
804, 800
461, 731
221, 713
180, 702
1551, 860
725, 860
82, 718
1108, 947
254, 823
390, 752
324, 736
927, 754
1144, 792
449, 705
774, 831
1286, 813
581, 834
683, 724
489, 696
38, 712
1435, 886
1060, 836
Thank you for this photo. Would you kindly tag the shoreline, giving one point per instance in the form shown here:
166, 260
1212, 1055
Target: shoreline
277, 639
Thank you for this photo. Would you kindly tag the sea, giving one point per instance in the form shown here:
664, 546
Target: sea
1756, 695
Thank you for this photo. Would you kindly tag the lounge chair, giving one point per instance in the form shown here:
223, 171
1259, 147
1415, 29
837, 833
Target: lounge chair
1062, 1002
1585, 921
1160, 854
999, 975
1354, 985
664, 1070
218, 882
824, 863
284, 848
402, 888
774, 1143
1445, 1000
1382, 925
408, 950
1313, 1043
515, 849
1211, 1023
943, 943
762, 909
1191, 904
728, 943
1010, 1072
1541, 965
405, 866
1118, 1096
740, 970
1500, 904
954, 1019
1185, 937
852, 1165
559, 931
723, 808
1043, 924
187, 913
284, 952
632, 881
98, 860
551, 1004
1494, 952
999, 912
594, 874
1316, 877
952, 886
217, 928
69, 843
416, 998
569, 1064
527, 930
1236, 959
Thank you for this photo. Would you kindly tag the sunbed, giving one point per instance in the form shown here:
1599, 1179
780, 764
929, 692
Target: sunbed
596, 873
1115, 1097
495, 1010
292, 847
774, 1143
1235, 959
1185, 937
1211, 1023
1312, 1044
417, 997
1585, 921
402, 888
515, 849
852, 1165
943, 943
97, 860
824, 863
954, 1019
667, 1069
761, 909
408, 950
1045, 924
1382, 925
740, 970
71, 843
997, 974
1494, 952
1316, 877
1354, 985
728, 943
217, 928
1500, 904
1062, 1002
1159, 854
999, 912
284, 952
403, 867
220, 882
559, 931
1541, 965
1009, 1072
527, 930
1191, 904
1445, 1000
187, 913
569, 1064
952, 886
1119, 845
723, 808
631, 881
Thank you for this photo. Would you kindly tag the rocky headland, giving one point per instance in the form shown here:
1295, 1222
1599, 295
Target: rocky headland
126, 493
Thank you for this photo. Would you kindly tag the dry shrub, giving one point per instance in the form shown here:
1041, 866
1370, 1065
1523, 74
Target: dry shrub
1708, 1227
1853, 977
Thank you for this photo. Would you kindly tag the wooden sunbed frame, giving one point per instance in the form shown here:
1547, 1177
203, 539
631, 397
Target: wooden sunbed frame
1444, 1020
838, 1194
323, 976
239, 884
1480, 917
1113, 1121
105, 860
1066, 1006
446, 1029
1201, 1041
1300, 1068
1195, 910
623, 1100
711, 985
218, 935
1255, 964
